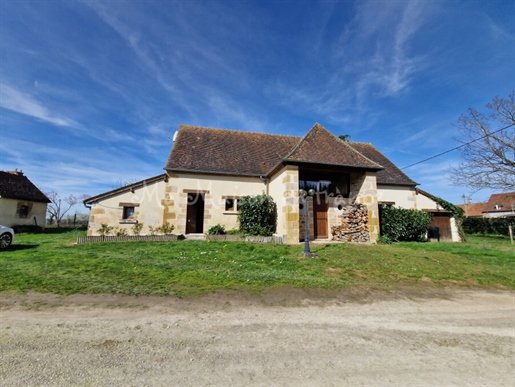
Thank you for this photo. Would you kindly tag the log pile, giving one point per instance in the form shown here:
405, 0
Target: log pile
354, 225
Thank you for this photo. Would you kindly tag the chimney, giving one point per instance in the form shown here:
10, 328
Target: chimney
16, 172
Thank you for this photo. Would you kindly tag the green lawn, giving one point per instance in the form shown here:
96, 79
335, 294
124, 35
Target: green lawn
51, 262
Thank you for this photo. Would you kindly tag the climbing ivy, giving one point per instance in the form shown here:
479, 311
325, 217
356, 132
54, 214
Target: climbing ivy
456, 212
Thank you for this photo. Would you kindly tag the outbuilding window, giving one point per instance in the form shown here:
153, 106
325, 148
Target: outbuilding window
128, 212
23, 210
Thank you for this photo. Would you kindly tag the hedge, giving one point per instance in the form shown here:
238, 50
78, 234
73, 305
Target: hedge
399, 224
498, 226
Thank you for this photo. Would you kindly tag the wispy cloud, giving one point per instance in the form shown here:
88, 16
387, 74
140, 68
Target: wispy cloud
373, 59
73, 170
17, 101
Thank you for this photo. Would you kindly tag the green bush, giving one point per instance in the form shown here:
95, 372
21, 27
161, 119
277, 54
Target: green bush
120, 231
258, 215
217, 230
399, 224
136, 229
497, 226
105, 229
166, 228
384, 240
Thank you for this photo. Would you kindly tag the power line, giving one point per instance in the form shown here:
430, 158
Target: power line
458, 147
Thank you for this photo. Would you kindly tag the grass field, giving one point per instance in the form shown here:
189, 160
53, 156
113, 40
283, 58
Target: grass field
53, 263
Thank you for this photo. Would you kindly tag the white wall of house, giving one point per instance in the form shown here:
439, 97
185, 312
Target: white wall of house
9, 215
425, 203
216, 190
398, 196
148, 209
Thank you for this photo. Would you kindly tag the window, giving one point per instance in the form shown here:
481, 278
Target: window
336, 184
128, 212
231, 203
23, 210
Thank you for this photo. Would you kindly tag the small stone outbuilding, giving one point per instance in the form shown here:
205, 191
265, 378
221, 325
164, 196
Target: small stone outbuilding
21, 202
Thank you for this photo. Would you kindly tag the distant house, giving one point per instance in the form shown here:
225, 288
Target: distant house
499, 205
209, 170
21, 202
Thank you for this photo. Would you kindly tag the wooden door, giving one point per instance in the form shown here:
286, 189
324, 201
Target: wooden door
443, 222
320, 216
195, 214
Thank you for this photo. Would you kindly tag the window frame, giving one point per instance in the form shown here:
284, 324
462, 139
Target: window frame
235, 200
23, 210
125, 218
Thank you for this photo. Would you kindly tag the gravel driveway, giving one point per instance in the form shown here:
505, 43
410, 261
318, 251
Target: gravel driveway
467, 338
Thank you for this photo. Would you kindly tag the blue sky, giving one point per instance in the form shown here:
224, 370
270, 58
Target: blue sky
92, 91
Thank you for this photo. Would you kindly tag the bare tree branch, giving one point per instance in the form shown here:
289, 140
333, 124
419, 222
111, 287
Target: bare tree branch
489, 162
58, 207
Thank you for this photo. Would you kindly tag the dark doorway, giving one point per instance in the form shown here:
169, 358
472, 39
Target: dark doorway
195, 214
320, 215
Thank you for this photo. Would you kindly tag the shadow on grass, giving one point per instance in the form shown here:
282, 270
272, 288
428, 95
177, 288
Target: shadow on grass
63, 230
20, 247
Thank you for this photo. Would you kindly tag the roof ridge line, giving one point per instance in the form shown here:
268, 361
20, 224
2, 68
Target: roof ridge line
236, 130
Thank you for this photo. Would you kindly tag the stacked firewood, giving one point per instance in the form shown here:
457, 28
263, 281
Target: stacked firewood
354, 226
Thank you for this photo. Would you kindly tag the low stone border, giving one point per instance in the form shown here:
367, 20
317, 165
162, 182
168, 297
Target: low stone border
238, 238
127, 238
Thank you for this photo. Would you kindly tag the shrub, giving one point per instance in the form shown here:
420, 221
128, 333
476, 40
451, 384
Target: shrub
153, 230
166, 228
258, 215
399, 224
497, 226
384, 240
28, 228
217, 230
136, 229
105, 229
120, 231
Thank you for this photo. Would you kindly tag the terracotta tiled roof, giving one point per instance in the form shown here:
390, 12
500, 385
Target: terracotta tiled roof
501, 202
222, 151
474, 209
322, 147
497, 203
390, 174
15, 185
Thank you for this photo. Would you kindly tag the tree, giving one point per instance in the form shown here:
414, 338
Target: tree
58, 207
488, 148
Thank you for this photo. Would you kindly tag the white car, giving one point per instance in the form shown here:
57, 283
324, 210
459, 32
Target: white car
6, 237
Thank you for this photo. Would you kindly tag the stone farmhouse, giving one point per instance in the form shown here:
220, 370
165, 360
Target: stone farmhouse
209, 170
21, 202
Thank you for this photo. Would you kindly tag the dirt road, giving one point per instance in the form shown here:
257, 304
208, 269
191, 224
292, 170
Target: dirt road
467, 338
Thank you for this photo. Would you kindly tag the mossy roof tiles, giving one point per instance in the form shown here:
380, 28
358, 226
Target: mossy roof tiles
15, 185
